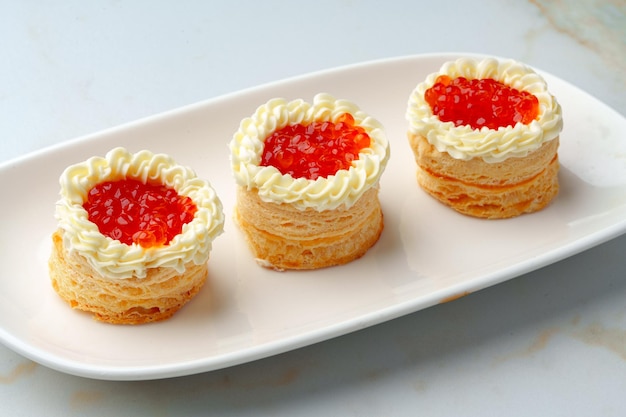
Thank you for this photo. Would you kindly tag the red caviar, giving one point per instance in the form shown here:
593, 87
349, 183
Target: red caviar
480, 102
133, 212
318, 149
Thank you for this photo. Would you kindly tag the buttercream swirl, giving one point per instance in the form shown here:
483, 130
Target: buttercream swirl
323, 193
113, 259
464, 142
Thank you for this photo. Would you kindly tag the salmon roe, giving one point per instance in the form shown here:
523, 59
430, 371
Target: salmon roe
133, 212
480, 102
318, 149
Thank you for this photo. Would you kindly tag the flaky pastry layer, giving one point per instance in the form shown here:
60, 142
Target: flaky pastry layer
284, 237
128, 301
488, 190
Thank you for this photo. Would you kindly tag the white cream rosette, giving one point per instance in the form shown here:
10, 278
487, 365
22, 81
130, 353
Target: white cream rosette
323, 193
493, 145
113, 259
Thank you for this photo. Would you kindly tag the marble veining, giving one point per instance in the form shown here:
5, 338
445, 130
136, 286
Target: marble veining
599, 25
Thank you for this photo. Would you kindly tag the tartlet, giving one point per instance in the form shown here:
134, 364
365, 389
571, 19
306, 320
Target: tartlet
132, 273
308, 221
489, 171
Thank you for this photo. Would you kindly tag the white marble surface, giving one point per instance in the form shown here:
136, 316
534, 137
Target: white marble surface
552, 342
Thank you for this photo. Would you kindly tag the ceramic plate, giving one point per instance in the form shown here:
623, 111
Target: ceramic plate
427, 253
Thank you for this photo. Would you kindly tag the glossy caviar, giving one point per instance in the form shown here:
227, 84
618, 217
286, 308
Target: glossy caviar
480, 102
132, 212
318, 149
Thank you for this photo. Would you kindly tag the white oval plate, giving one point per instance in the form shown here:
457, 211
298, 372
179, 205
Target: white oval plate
427, 254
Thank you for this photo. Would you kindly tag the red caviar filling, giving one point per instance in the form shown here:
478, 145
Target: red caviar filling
318, 149
480, 102
133, 212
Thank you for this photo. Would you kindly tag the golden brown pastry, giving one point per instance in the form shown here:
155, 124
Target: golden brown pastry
296, 209
476, 161
134, 236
